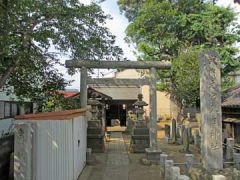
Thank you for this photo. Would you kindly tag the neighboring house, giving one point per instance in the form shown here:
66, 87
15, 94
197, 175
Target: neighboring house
231, 113
10, 106
235, 76
124, 96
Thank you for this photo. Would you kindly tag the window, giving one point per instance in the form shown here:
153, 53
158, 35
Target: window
7, 109
1, 109
238, 79
11, 109
14, 109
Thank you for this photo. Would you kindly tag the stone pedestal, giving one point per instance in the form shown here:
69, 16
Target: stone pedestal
95, 136
140, 139
153, 154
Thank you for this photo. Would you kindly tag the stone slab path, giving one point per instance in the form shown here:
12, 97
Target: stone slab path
117, 164
111, 165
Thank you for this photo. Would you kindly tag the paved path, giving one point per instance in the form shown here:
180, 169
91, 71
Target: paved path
111, 165
117, 164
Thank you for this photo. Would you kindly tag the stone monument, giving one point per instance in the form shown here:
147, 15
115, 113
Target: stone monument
174, 131
211, 113
95, 131
140, 133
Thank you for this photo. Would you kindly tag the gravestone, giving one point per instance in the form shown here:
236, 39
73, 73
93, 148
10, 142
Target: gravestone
236, 159
167, 130
211, 113
186, 140
189, 159
163, 158
230, 150
140, 133
95, 132
182, 130
183, 177
190, 135
174, 173
197, 139
218, 177
174, 130
168, 165
178, 131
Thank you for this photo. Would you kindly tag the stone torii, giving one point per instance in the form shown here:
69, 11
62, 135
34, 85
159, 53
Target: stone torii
151, 65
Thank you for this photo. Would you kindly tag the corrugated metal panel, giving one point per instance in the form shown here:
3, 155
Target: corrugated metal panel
53, 153
80, 145
57, 154
59, 148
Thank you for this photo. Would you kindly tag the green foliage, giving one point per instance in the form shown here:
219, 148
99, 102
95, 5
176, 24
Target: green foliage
57, 102
185, 76
32, 29
167, 30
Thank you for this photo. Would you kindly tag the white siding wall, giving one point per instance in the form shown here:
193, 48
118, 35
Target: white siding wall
59, 148
80, 145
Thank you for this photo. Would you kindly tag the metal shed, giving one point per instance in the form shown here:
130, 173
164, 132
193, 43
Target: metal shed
50, 146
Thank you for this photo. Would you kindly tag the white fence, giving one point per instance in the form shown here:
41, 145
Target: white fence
51, 146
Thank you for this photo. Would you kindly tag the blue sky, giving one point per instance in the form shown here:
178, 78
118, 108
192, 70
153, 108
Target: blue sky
117, 26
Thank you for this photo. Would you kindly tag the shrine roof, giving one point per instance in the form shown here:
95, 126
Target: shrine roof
231, 98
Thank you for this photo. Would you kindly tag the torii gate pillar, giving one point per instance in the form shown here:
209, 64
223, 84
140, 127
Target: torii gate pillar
83, 87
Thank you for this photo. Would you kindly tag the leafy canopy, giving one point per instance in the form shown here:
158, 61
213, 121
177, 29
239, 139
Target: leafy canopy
166, 30
36, 33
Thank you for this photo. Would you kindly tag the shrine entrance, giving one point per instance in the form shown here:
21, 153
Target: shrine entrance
151, 65
211, 123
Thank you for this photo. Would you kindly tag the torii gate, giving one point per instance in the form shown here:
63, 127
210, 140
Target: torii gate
210, 95
151, 65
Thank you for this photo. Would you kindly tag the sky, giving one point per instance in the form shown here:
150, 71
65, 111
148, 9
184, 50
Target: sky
117, 26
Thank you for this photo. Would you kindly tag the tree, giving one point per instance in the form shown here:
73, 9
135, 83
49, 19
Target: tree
31, 29
185, 79
163, 30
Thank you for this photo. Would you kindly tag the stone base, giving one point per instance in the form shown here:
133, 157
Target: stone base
95, 137
140, 140
90, 159
153, 154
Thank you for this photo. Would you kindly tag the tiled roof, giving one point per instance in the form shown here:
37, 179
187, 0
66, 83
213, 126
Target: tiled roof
231, 98
120, 93
66, 94
58, 115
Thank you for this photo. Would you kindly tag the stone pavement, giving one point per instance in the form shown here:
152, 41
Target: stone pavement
117, 163
117, 159
112, 165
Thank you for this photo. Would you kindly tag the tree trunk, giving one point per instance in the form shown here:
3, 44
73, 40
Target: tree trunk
6, 76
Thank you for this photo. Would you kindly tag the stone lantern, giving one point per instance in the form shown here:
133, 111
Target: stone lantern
140, 133
140, 111
95, 131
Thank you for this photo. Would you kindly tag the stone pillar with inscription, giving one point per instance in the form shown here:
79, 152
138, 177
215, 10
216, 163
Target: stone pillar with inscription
95, 131
211, 115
